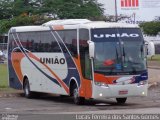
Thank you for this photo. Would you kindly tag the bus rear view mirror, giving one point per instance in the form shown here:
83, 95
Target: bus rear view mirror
91, 49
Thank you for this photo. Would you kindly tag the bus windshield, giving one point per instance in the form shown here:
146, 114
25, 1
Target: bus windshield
119, 51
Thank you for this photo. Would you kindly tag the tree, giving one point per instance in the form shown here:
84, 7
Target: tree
21, 12
5, 25
25, 7
151, 28
61, 9
66, 9
13, 8
157, 18
5, 9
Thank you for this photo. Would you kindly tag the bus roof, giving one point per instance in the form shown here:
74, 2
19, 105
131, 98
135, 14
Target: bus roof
85, 23
72, 24
28, 29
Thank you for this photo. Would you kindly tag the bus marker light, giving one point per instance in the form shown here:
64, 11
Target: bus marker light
100, 94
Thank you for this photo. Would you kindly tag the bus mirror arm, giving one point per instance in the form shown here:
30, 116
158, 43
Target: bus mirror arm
91, 49
145, 49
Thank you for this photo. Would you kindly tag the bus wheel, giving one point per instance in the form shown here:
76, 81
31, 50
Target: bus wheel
26, 88
121, 100
77, 100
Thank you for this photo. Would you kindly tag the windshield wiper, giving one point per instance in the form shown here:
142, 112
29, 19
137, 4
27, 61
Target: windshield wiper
117, 56
123, 54
134, 71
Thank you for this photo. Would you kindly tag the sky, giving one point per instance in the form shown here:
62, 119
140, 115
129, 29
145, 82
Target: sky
146, 10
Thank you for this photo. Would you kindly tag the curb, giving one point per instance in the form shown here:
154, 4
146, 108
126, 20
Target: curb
153, 67
8, 95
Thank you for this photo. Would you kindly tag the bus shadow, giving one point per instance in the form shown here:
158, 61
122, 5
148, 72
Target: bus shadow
88, 102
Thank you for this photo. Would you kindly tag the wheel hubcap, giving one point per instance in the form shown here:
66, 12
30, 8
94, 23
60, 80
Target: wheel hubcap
26, 90
75, 94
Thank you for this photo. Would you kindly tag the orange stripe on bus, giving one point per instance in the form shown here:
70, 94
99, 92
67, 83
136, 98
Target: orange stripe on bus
58, 27
105, 79
16, 62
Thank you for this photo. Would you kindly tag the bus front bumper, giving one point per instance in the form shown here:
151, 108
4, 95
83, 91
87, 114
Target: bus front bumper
119, 91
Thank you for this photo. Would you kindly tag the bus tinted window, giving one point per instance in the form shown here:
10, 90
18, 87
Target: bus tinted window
39, 42
69, 37
11, 43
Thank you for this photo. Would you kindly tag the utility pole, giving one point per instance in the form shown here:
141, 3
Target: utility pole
116, 14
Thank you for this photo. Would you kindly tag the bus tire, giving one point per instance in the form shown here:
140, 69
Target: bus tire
64, 96
121, 100
77, 100
26, 89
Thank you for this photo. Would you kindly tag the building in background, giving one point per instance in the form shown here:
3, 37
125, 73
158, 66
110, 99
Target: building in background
3, 41
3, 48
137, 11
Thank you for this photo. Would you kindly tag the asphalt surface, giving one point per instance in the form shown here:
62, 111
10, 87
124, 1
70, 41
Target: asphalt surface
49, 104
56, 108
154, 75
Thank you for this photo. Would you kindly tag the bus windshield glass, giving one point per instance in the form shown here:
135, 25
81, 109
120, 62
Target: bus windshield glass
118, 51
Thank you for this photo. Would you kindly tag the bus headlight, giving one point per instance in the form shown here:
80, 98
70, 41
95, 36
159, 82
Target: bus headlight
142, 82
102, 84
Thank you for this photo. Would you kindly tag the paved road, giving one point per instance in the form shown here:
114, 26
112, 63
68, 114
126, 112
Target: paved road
47, 107
48, 104
154, 75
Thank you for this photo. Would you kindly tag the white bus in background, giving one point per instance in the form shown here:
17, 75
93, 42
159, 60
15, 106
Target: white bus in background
78, 58
150, 47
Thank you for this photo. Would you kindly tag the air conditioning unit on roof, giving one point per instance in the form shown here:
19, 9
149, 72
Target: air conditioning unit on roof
66, 22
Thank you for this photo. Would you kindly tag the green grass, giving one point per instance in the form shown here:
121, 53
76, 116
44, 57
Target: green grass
154, 58
3, 76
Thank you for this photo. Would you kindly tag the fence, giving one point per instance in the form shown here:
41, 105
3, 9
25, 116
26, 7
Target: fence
3, 50
3, 46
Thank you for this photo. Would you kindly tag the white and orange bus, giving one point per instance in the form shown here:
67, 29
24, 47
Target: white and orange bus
79, 58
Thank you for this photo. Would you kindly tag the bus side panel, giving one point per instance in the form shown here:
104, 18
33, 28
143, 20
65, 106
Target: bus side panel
14, 82
88, 88
46, 77
85, 89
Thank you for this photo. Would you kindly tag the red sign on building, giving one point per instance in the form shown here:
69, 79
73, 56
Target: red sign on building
129, 3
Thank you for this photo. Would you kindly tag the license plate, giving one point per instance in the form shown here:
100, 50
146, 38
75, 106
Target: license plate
123, 92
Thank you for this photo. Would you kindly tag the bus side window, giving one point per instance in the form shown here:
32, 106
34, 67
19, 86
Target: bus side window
39, 42
69, 37
12, 43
